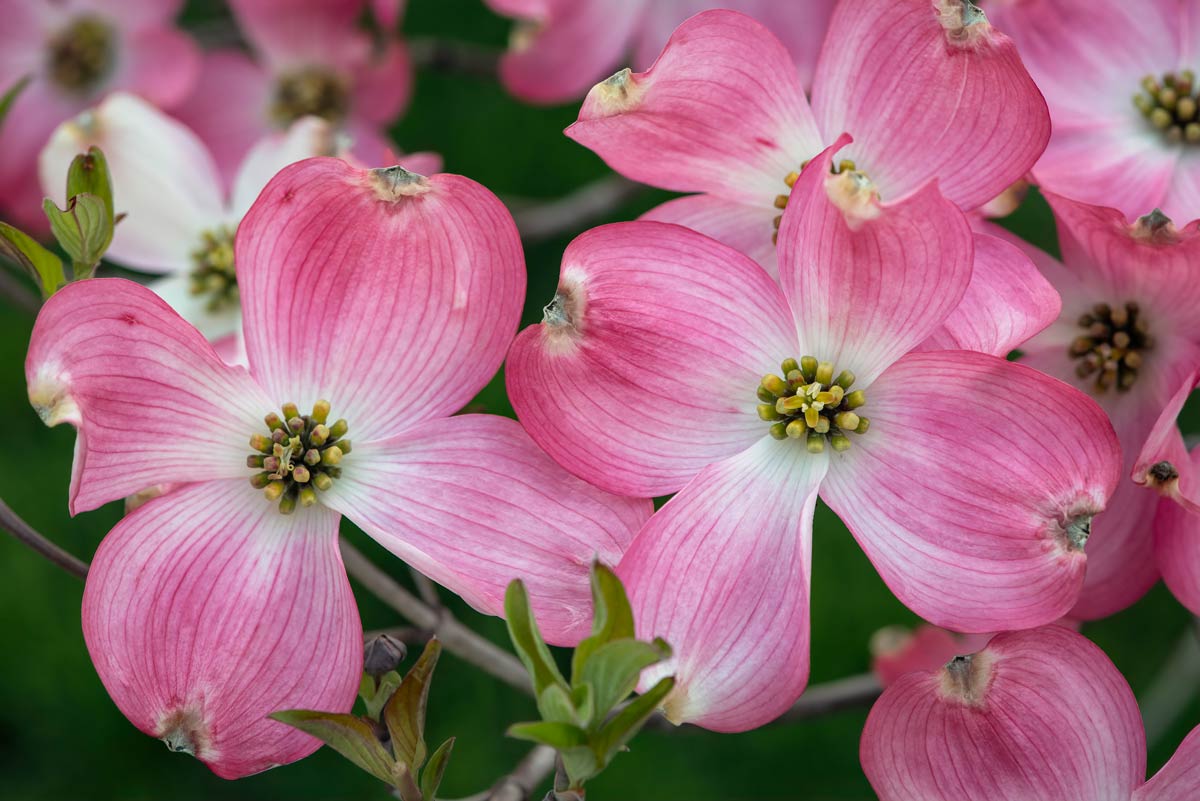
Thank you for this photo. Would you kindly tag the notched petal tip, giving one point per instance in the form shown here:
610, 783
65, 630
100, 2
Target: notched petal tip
1156, 228
616, 95
855, 194
51, 399
966, 25
1161, 476
563, 316
1074, 531
967, 678
185, 731
393, 183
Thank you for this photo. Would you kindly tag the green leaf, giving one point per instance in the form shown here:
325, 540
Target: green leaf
612, 617
405, 783
626, 723
431, 777
584, 700
614, 668
45, 268
89, 175
350, 736
555, 704
556, 734
404, 713
10, 96
375, 697
527, 639
84, 229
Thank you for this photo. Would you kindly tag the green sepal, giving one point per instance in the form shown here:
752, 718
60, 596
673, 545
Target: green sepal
583, 698
10, 96
612, 617
83, 228
43, 266
89, 175
556, 734
614, 668
555, 704
374, 697
404, 712
613, 736
350, 736
431, 776
527, 640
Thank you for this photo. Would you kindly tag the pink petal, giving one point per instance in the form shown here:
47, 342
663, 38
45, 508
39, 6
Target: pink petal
206, 610
1177, 547
388, 12
163, 65
897, 651
303, 32
306, 138
167, 210
927, 94
742, 227
152, 402
721, 111
392, 295
1036, 715
973, 508
645, 367
383, 86
472, 503
1007, 302
1163, 463
136, 14
722, 572
867, 281
1179, 779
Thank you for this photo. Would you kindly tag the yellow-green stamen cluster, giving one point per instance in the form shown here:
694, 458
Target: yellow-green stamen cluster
1171, 105
309, 91
81, 54
1112, 348
213, 272
781, 201
301, 455
810, 403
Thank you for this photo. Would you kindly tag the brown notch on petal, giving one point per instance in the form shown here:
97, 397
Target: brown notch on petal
1162, 476
563, 317
393, 183
967, 678
617, 94
965, 23
1155, 228
184, 731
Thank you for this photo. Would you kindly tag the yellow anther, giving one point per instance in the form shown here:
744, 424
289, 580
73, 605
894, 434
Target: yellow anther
308, 496
331, 455
812, 417
274, 490
825, 399
287, 504
774, 384
260, 443
824, 373
322, 481
789, 404
815, 443
767, 412
796, 429
290, 410
838, 393
840, 442
845, 379
781, 201
808, 365
855, 399
863, 425
320, 412
847, 421
822, 426
778, 431
791, 178
788, 366
846, 165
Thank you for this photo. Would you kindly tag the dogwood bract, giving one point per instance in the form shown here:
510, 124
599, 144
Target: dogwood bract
376, 304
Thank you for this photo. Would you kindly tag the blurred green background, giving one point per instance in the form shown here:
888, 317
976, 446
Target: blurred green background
62, 738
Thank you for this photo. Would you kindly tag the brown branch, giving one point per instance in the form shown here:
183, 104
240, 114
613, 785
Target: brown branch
574, 212
531, 771
450, 55
426, 589
24, 532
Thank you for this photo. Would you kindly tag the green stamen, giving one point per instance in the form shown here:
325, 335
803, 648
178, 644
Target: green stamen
214, 273
299, 457
1171, 105
309, 91
811, 405
80, 55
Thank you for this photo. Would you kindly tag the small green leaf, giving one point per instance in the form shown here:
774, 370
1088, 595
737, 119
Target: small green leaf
10, 96
45, 268
404, 713
614, 668
405, 783
626, 723
431, 777
557, 735
584, 701
350, 736
84, 230
527, 640
612, 617
89, 175
555, 704
374, 698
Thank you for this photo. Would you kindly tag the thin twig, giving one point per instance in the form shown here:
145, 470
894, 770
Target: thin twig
531, 771
1175, 685
24, 532
405, 634
426, 589
451, 55
572, 213
456, 638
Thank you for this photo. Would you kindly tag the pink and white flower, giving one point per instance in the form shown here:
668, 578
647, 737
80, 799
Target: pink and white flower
1121, 84
647, 378
560, 48
311, 59
75, 52
1129, 335
1035, 716
377, 297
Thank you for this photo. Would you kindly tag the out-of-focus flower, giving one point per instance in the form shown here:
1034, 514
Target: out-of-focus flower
1035, 716
1129, 335
1120, 79
179, 220
559, 48
382, 301
896, 650
311, 58
647, 377
75, 52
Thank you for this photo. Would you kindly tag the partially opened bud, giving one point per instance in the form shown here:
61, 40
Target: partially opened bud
382, 653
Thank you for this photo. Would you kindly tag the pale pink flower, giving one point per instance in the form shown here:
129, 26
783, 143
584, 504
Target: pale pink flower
971, 492
1035, 716
559, 48
1119, 77
75, 52
310, 58
1129, 335
393, 297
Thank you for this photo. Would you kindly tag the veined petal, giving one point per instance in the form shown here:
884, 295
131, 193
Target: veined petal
974, 509
167, 209
896, 651
867, 282
1007, 302
214, 325
1034, 716
1177, 547
152, 402
645, 367
1179, 779
928, 89
1164, 464
472, 503
392, 295
159, 64
722, 572
721, 111
206, 610
306, 138
742, 227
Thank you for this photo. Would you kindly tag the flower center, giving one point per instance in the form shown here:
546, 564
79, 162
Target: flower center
310, 90
781, 201
300, 455
809, 403
81, 54
1112, 348
1170, 104
213, 272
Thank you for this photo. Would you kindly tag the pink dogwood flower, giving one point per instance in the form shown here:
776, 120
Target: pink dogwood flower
376, 304
181, 223
1131, 140
559, 48
1037, 715
74, 52
1129, 335
310, 58
897, 651
968, 480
